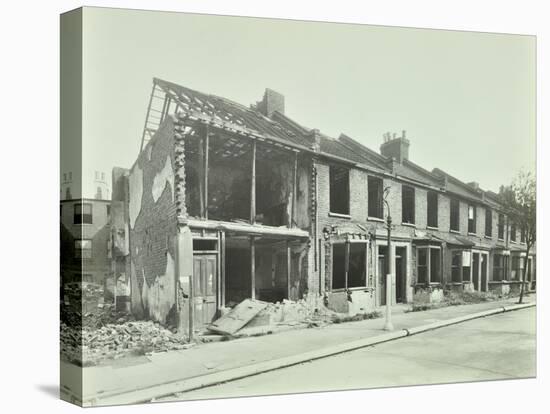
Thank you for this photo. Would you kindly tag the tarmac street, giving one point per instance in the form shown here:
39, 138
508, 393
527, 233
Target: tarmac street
502, 346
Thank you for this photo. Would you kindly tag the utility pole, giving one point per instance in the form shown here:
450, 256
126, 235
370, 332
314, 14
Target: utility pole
388, 325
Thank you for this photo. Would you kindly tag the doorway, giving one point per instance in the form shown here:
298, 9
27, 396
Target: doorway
204, 284
400, 274
475, 271
484, 271
400, 283
382, 270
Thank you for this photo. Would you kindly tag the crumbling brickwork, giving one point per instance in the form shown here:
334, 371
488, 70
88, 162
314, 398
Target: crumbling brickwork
153, 227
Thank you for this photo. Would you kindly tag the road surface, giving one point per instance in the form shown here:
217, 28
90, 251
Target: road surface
494, 347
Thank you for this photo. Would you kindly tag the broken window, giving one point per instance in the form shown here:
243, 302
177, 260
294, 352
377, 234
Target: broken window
339, 190
83, 249
516, 268
375, 197
407, 204
422, 266
205, 245
499, 267
428, 265
83, 213
466, 265
456, 263
472, 218
488, 222
513, 231
432, 209
349, 265
455, 214
357, 273
501, 226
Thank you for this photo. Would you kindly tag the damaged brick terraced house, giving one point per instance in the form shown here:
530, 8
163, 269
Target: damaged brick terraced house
227, 202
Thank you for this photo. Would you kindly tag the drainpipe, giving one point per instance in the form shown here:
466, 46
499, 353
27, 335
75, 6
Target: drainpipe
388, 325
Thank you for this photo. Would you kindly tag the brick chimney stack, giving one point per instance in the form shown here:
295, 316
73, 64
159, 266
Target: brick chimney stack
395, 147
271, 102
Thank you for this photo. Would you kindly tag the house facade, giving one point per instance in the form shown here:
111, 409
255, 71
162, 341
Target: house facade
227, 202
85, 240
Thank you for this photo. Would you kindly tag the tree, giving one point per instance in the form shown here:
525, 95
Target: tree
520, 202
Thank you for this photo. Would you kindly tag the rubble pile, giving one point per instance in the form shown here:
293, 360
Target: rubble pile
114, 341
92, 335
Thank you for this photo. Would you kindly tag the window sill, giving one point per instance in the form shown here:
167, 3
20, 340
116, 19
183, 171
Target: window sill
432, 228
344, 216
409, 224
488, 237
454, 231
500, 240
353, 289
375, 219
472, 234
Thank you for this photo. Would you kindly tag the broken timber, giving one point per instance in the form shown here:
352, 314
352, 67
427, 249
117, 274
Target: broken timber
237, 317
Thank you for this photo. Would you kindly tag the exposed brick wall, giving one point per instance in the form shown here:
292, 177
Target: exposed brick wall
153, 235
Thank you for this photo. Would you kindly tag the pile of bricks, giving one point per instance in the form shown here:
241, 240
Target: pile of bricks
112, 341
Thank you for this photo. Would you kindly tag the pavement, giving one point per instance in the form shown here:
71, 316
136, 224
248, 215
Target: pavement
144, 378
499, 347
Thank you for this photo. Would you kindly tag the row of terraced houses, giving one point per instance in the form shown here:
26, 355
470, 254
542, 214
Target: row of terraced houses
227, 202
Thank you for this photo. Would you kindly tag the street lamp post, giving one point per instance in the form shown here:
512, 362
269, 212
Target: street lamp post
388, 325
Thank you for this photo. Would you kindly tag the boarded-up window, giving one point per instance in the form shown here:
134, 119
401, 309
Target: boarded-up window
455, 215
407, 202
83, 213
432, 209
375, 201
472, 218
339, 190
488, 223
83, 249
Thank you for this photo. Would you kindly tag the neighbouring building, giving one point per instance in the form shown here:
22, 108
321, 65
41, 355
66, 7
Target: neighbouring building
85, 233
227, 202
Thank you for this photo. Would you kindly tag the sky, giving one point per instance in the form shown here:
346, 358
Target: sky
466, 99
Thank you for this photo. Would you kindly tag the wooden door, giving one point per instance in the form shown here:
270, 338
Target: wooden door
204, 288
